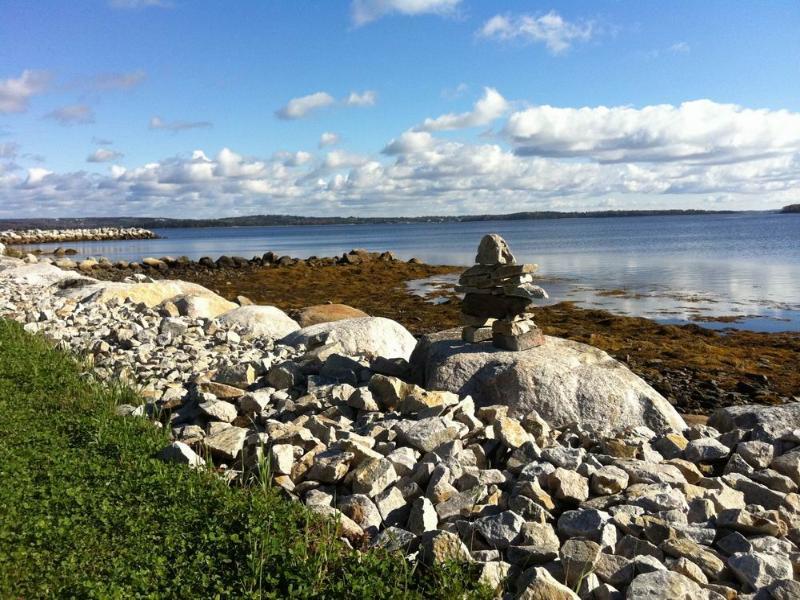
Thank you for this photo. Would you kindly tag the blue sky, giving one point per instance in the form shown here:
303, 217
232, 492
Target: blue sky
168, 106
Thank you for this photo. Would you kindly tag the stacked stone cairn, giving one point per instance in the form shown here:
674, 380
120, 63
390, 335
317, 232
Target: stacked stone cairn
498, 297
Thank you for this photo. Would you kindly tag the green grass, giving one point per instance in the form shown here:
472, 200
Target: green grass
86, 511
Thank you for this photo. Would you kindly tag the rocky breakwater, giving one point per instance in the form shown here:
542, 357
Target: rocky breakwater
642, 509
46, 236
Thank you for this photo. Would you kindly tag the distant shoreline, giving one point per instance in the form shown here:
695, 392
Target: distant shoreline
295, 220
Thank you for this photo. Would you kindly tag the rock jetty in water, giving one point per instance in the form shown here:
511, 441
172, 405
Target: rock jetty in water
45, 236
554, 471
498, 295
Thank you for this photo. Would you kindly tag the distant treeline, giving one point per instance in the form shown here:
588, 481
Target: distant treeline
266, 220
792, 208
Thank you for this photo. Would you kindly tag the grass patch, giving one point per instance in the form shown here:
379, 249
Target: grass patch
86, 510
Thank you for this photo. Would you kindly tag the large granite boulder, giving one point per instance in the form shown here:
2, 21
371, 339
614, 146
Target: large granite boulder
261, 321
326, 313
370, 336
767, 422
152, 294
35, 274
564, 381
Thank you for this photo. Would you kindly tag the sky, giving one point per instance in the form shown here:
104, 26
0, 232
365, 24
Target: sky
200, 108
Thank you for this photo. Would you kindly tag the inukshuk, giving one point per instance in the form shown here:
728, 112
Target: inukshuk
498, 298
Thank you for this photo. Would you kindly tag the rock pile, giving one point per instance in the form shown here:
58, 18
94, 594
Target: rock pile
45, 236
498, 294
574, 511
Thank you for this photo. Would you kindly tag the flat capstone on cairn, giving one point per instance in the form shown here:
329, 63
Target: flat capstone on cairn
498, 298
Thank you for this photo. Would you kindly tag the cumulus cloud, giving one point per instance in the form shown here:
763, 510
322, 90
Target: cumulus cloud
74, 114
328, 138
366, 98
550, 29
366, 11
297, 108
696, 131
15, 93
176, 126
490, 107
103, 155
698, 154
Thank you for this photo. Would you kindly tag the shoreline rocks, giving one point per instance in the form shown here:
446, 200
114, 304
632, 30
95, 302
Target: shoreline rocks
544, 507
48, 236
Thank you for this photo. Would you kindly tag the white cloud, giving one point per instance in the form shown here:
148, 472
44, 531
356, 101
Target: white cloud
491, 106
74, 114
338, 159
103, 155
551, 29
366, 98
696, 155
176, 126
409, 142
15, 94
328, 138
297, 108
697, 131
9, 149
295, 159
36, 175
366, 11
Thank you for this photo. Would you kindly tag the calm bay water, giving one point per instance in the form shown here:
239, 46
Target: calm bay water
673, 269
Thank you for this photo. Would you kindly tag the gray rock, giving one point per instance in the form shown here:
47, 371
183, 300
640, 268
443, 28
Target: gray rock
423, 516
437, 547
578, 559
585, 523
563, 381
219, 410
705, 450
179, 452
493, 250
500, 530
373, 476
760, 569
261, 321
427, 434
393, 539
370, 336
789, 465
758, 454
539, 584
608, 480
664, 585
361, 510
569, 486
768, 422
227, 443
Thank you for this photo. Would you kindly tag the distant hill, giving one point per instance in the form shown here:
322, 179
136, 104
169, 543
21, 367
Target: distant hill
272, 220
792, 208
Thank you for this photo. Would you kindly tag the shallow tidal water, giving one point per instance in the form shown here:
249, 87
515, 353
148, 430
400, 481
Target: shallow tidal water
676, 269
